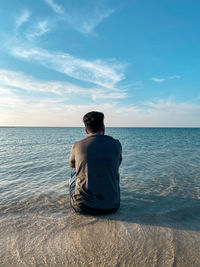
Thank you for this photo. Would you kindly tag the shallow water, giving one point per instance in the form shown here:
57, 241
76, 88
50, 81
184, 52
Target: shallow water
158, 223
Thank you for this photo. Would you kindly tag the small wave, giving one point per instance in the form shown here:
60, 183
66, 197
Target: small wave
50, 202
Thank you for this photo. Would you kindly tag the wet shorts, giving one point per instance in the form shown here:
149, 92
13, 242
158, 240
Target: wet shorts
82, 208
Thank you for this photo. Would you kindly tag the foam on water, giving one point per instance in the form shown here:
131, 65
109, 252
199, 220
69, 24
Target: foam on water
158, 223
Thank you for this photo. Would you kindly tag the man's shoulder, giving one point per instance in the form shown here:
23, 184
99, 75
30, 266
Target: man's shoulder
80, 142
112, 138
96, 138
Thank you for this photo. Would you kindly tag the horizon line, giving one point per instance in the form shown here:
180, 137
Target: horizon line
21, 126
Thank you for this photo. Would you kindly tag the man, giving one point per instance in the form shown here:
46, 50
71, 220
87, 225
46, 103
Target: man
94, 186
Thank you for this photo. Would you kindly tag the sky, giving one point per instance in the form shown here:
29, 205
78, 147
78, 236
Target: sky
137, 61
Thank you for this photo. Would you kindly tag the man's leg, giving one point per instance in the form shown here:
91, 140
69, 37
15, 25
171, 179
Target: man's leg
83, 209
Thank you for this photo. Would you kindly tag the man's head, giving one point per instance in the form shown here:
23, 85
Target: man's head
94, 122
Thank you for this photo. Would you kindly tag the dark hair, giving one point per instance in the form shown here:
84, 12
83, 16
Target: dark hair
93, 121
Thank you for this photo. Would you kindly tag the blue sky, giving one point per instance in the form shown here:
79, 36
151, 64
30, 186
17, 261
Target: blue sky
135, 60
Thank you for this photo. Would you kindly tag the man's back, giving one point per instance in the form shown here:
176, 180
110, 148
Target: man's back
97, 159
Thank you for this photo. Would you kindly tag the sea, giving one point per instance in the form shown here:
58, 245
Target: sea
158, 223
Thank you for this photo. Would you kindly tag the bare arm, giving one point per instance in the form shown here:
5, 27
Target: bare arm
72, 158
72, 164
120, 160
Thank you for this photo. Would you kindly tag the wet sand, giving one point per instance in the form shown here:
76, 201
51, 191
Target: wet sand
31, 235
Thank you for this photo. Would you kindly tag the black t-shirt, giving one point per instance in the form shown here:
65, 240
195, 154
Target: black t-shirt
97, 159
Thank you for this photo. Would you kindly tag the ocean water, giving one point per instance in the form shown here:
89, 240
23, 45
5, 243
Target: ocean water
158, 223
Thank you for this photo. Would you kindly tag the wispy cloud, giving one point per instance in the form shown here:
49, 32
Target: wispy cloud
92, 22
20, 81
96, 72
33, 29
46, 106
106, 95
161, 80
168, 112
174, 77
158, 113
52, 112
84, 19
9, 100
158, 80
37, 30
24, 17
17, 109
56, 8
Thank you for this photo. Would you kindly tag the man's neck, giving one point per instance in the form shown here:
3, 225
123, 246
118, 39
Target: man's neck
97, 133
101, 132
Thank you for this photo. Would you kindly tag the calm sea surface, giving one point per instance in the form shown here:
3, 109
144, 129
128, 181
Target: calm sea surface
158, 223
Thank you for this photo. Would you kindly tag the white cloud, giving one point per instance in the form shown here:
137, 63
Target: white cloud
96, 72
32, 30
13, 79
9, 100
87, 25
100, 94
19, 81
83, 19
17, 111
161, 80
160, 113
171, 113
23, 18
56, 8
38, 30
158, 80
